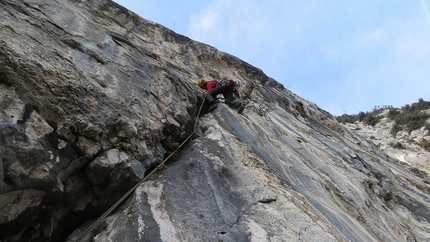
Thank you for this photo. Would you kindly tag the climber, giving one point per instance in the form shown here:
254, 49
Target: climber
227, 88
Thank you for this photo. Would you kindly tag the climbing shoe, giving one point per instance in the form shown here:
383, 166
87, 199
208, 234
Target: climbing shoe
241, 108
212, 107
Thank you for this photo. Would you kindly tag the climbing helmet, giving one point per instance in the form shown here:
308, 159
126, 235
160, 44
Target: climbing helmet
201, 82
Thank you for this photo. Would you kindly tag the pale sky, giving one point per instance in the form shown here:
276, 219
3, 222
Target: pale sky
345, 56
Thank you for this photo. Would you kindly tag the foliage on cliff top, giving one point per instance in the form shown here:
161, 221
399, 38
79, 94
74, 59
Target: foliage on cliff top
409, 117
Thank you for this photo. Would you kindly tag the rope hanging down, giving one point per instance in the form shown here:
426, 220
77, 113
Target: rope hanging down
117, 203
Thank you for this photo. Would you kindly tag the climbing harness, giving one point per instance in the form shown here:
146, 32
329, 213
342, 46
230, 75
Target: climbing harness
159, 167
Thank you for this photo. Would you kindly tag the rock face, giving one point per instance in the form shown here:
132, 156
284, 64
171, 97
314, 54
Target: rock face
93, 97
409, 150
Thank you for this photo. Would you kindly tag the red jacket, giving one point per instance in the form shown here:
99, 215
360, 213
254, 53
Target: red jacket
211, 85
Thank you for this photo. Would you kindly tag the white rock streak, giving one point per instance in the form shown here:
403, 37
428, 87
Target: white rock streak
154, 192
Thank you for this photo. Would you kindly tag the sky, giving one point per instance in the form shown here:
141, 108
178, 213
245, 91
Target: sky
345, 56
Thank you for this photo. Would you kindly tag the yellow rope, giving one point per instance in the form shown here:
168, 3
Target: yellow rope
117, 203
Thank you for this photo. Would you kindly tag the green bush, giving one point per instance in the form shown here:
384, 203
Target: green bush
396, 128
421, 104
409, 117
393, 113
412, 119
371, 120
345, 118
361, 116
425, 144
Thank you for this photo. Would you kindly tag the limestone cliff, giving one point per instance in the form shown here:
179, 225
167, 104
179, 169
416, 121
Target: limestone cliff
404, 146
93, 97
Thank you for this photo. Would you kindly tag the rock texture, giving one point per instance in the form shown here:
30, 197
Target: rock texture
93, 97
409, 150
